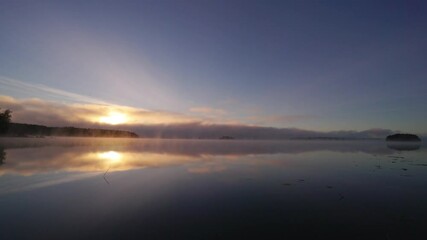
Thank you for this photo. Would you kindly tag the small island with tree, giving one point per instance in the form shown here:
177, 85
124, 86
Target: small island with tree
403, 137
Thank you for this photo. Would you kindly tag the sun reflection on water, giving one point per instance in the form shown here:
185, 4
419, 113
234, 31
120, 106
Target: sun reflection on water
99, 160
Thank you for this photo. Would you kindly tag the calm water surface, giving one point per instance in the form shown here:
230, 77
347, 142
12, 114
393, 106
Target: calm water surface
74, 188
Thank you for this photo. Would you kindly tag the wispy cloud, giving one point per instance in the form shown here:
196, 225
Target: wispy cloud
278, 119
208, 111
51, 106
39, 89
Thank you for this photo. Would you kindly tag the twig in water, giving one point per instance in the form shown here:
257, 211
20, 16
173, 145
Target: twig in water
105, 174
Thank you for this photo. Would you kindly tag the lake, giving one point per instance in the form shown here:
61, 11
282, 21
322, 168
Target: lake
86, 188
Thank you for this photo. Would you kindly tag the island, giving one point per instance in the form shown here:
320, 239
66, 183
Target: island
403, 137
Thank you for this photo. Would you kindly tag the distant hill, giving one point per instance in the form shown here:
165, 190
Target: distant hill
21, 129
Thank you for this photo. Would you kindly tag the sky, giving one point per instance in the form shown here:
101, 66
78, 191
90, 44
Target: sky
312, 65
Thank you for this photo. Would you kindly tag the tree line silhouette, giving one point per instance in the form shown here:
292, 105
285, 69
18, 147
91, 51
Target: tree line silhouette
5, 118
9, 128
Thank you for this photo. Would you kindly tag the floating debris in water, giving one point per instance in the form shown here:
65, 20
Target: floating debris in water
419, 164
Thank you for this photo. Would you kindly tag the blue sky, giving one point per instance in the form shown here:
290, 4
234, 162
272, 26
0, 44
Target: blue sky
319, 65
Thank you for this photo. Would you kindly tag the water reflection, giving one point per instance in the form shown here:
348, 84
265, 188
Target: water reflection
171, 189
201, 147
28, 161
28, 156
404, 146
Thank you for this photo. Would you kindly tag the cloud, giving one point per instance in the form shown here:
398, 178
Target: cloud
208, 111
48, 91
278, 119
214, 131
160, 124
37, 111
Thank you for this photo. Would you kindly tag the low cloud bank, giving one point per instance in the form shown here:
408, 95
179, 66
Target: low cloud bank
37, 111
214, 131
159, 124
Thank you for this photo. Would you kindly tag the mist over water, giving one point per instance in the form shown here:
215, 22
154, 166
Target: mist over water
110, 188
213, 119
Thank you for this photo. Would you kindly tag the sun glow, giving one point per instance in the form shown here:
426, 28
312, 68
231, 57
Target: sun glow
112, 156
113, 118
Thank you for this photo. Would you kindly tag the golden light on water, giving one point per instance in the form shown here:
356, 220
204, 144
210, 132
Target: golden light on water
114, 118
74, 160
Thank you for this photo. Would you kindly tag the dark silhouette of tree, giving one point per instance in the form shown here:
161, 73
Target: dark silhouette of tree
2, 156
5, 120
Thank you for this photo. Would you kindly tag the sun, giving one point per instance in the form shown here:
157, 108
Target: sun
113, 118
111, 156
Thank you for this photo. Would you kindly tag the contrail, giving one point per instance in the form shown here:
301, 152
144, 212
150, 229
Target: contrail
29, 87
